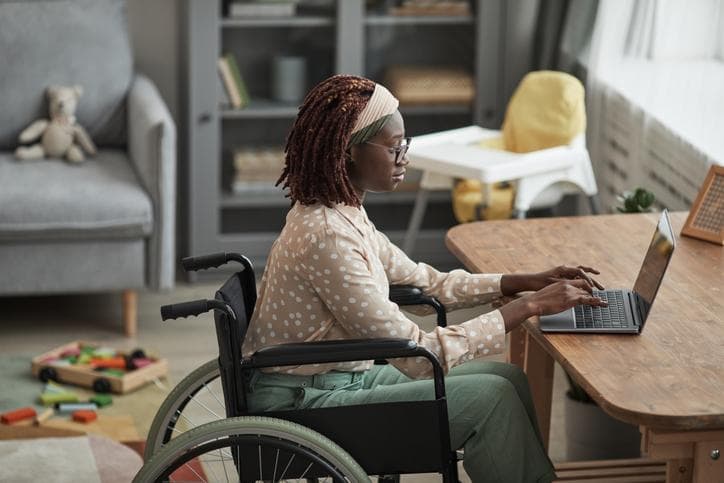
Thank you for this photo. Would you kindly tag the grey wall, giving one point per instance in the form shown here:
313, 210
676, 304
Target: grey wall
154, 30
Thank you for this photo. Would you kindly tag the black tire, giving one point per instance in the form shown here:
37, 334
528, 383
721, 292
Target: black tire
284, 449
48, 374
102, 385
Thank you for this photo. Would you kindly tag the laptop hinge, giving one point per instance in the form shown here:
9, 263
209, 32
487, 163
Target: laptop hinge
635, 309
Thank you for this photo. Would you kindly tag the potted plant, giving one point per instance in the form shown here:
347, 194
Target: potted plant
591, 434
637, 201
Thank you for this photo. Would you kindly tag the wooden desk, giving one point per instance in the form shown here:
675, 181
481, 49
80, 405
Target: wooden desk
670, 379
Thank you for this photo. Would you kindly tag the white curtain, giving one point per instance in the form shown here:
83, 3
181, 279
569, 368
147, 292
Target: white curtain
655, 100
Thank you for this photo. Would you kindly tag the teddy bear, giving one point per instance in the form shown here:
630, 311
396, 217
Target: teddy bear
60, 136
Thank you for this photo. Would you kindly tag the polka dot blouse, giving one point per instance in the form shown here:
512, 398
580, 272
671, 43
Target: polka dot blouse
328, 276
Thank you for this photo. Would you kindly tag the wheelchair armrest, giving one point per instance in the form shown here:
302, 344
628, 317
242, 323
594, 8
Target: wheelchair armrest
326, 351
411, 295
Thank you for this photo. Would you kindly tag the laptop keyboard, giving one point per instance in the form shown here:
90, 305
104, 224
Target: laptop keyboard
613, 316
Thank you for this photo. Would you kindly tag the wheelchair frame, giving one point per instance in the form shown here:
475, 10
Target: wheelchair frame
388, 425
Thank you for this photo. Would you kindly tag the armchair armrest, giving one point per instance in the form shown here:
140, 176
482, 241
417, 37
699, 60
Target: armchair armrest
343, 351
411, 295
152, 151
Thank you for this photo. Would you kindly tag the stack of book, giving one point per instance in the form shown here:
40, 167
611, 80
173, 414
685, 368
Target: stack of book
262, 8
257, 169
233, 89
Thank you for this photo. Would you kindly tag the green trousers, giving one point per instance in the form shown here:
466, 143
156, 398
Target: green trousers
490, 411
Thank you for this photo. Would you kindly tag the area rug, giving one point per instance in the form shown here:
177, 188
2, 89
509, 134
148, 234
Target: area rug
91, 459
18, 388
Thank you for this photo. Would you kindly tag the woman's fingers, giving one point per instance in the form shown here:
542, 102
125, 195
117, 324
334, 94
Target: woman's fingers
582, 274
590, 300
582, 284
589, 269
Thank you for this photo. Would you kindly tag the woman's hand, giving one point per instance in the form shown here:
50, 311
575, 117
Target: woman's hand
562, 295
523, 282
554, 298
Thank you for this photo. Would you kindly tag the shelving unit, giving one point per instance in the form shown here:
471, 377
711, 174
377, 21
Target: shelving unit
346, 40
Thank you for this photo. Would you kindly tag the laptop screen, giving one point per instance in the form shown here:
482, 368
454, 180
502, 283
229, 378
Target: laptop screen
655, 263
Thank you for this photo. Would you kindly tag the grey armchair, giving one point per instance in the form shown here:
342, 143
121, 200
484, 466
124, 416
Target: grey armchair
107, 224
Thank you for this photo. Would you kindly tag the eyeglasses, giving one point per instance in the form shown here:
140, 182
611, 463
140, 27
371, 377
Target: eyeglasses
399, 151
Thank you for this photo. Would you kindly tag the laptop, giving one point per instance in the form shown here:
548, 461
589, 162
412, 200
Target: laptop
627, 309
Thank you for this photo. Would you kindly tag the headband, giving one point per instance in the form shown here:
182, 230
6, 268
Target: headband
381, 106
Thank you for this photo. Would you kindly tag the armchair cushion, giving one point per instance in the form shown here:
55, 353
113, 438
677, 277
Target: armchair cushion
48, 42
52, 199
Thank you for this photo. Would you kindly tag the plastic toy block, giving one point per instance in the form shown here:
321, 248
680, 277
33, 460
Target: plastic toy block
71, 407
61, 363
114, 372
142, 362
71, 353
49, 399
17, 415
113, 363
104, 352
71, 359
84, 358
87, 349
51, 387
102, 400
84, 416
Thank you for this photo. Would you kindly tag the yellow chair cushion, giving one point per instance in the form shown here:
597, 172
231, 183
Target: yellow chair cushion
467, 197
547, 109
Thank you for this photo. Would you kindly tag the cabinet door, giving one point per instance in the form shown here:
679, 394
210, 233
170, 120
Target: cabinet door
202, 136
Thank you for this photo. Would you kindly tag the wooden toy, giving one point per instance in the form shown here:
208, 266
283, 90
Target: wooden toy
72, 407
84, 416
44, 416
17, 415
102, 400
52, 398
81, 370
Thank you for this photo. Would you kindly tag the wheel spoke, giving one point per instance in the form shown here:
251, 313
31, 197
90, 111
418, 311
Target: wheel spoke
307, 469
205, 407
287, 467
223, 406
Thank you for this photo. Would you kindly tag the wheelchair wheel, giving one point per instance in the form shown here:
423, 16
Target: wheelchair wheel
196, 400
250, 449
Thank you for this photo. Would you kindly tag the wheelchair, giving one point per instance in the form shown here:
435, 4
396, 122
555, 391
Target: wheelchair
203, 431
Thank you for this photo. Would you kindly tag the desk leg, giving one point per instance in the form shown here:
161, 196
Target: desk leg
413, 228
539, 368
691, 456
708, 461
516, 347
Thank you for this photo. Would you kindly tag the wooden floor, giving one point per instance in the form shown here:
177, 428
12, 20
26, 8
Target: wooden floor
32, 325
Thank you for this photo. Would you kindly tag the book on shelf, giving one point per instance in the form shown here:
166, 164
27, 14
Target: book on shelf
224, 99
229, 84
256, 169
262, 9
237, 78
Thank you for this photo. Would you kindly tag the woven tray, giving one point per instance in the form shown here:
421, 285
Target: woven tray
430, 85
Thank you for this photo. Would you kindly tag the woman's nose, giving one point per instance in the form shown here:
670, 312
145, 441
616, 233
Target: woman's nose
403, 161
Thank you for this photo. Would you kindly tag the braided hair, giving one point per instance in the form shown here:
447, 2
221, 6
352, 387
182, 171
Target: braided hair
315, 169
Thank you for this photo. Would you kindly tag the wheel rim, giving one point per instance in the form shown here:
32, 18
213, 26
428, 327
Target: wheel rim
292, 462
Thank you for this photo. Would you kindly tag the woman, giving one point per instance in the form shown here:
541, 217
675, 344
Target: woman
328, 275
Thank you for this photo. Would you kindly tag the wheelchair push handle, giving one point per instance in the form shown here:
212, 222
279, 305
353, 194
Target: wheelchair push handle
192, 264
213, 260
195, 307
184, 309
